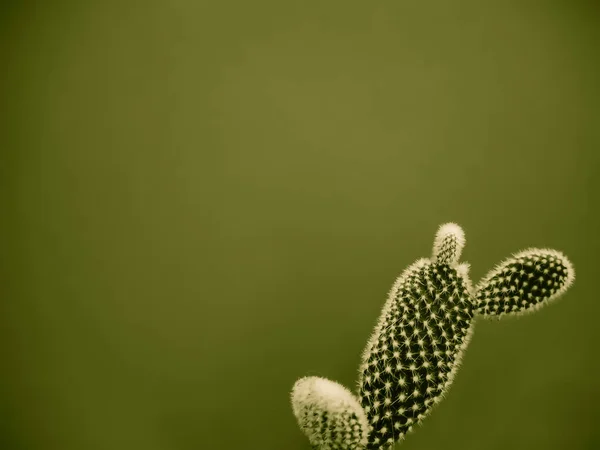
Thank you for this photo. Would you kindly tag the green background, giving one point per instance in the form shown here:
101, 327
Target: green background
204, 201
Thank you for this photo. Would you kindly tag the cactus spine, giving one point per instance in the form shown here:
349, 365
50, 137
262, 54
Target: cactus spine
412, 356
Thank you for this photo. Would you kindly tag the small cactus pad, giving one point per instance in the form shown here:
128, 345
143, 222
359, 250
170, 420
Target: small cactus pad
412, 357
523, 283
329, 415
448, 244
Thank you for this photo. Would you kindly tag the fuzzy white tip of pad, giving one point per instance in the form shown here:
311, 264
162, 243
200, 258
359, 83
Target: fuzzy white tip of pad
448, 244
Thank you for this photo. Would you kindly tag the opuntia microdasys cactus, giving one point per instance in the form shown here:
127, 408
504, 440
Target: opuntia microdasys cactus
413, 354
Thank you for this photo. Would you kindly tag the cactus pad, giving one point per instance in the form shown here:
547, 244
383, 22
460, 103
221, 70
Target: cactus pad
524, 283
329, 414
412, 357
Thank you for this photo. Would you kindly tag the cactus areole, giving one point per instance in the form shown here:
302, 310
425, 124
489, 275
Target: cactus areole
415, 350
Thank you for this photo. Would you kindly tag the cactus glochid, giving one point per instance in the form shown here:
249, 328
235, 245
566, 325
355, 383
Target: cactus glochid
415, 350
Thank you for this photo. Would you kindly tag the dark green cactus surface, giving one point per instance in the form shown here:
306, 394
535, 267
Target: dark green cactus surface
523, 283
416, 349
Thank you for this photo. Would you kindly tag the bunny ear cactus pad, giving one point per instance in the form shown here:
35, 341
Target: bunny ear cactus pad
416, 348
524, 283
329, 415
411, 358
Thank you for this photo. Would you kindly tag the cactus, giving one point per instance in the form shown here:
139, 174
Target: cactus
412, 356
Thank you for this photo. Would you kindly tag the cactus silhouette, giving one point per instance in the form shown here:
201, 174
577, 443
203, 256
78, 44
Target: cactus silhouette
416, 348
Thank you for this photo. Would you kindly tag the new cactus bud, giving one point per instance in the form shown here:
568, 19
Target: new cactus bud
524, 283
329, 415
448, 244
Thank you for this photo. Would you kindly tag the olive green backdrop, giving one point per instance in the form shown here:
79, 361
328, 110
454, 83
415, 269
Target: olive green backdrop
203, 201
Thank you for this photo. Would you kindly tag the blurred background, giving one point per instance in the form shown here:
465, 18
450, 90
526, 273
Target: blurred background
204, 201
